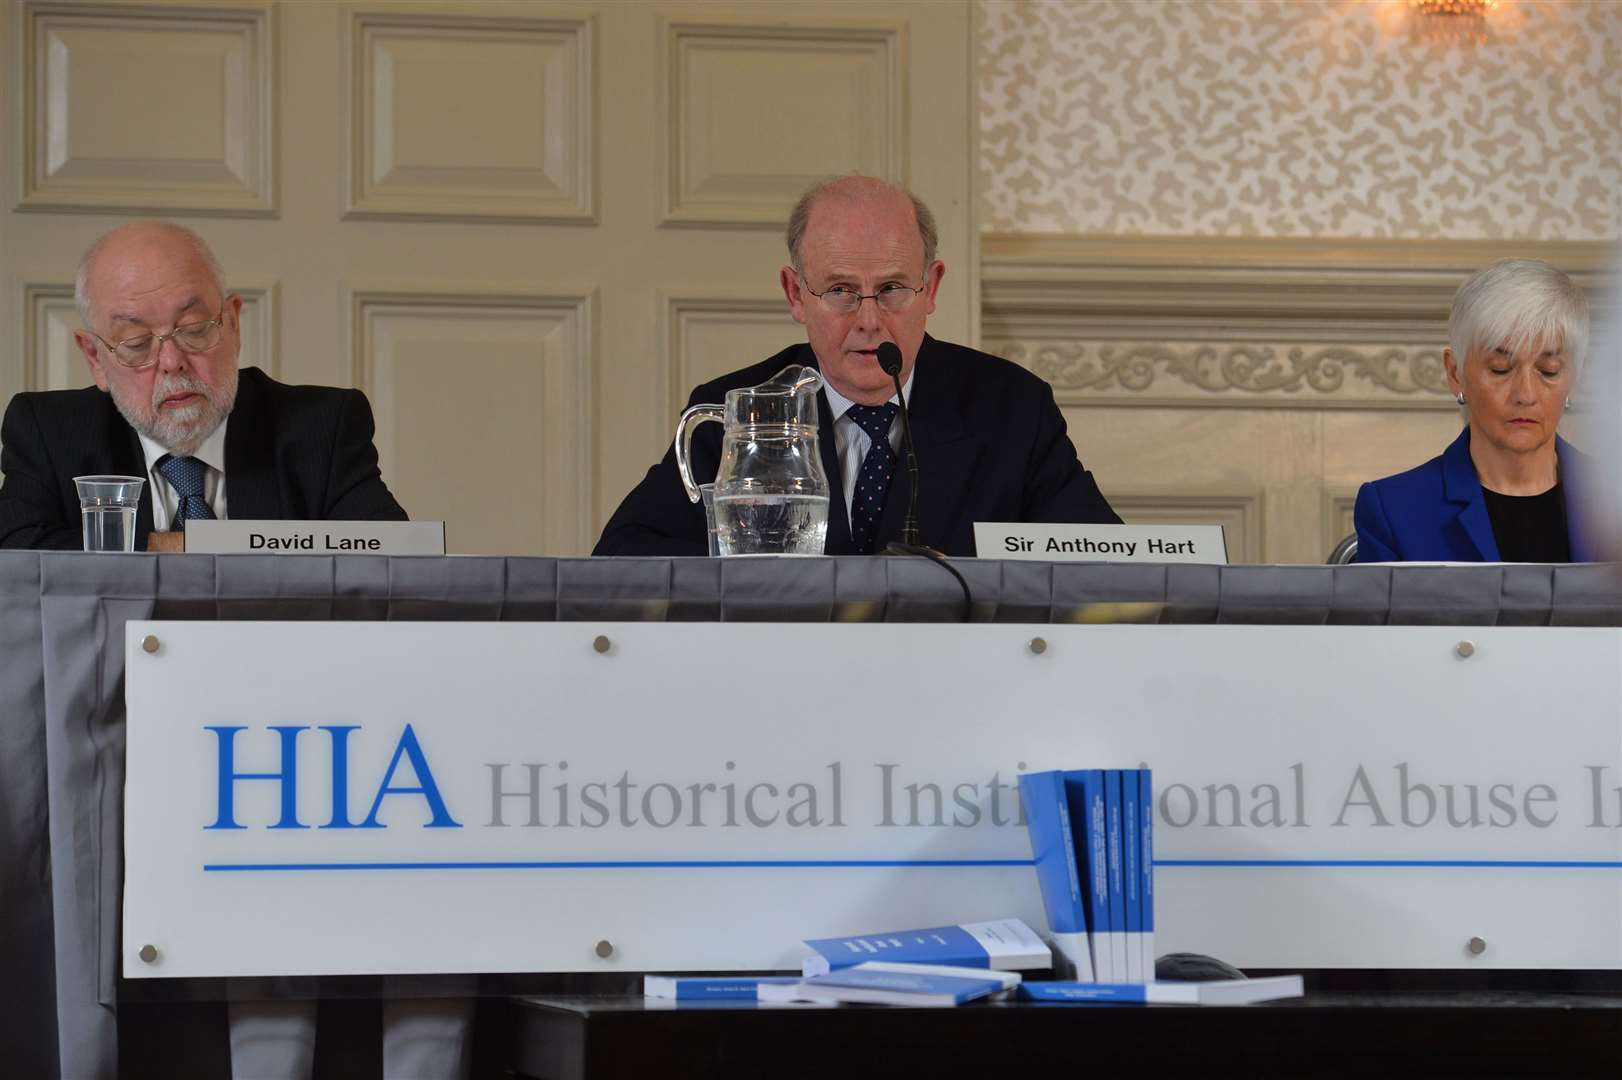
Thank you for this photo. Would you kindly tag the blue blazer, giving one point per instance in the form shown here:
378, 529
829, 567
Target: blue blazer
1437, 512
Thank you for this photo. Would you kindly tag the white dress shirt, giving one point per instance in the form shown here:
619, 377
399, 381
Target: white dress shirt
165, 503
852, 443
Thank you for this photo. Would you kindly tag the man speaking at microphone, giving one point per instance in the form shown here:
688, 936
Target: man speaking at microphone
990, 439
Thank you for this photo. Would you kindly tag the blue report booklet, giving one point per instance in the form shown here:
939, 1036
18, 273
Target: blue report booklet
1002, 944
880, 983
1146, 867
1220, 992
709, 987
1115, 931
1131, 877
1054, 849
1085, 790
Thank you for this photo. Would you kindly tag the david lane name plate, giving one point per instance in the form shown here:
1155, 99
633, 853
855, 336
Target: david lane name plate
316, 537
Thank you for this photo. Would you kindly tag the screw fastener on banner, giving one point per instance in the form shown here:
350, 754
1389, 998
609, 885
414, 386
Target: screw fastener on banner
1465, 649
148, 954
1477, 946
602, 644
605, 949
1037, 645
150, 643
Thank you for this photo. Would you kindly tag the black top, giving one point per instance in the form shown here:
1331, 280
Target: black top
1530, 528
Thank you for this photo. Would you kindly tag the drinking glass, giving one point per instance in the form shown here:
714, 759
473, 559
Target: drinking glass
108, 505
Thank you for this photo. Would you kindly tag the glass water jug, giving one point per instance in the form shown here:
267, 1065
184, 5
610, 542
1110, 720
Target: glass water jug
771, 495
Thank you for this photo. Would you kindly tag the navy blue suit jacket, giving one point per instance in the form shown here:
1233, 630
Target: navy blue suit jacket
1437, 512
292, 453
991, 447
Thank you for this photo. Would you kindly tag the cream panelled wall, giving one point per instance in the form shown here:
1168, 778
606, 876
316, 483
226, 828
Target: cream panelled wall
1228, 232
525, 229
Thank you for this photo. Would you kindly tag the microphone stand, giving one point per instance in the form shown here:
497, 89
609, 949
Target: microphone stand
909, 524
910, 542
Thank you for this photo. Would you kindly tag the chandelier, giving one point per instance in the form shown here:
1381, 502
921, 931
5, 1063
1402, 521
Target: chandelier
1451, 20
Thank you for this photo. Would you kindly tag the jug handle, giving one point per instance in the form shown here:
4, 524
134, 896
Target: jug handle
684, 441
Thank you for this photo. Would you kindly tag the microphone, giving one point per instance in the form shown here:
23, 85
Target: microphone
890, 361
890, 364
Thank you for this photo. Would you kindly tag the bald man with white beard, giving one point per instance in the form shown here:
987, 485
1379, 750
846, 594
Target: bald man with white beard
161, 336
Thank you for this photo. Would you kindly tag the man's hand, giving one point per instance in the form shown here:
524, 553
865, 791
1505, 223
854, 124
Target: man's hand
165, 541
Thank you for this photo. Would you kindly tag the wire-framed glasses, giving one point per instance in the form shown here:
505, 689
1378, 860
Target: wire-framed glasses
142, 351
892, 296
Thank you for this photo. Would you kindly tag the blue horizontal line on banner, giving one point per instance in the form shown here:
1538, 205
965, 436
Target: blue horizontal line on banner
767, 864
1493, 864
628, 864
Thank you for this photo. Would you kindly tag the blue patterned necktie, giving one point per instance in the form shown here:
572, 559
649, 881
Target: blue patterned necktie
873, 479
185, 475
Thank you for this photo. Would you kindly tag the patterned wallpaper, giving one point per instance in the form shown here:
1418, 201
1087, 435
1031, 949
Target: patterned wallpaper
1315, 118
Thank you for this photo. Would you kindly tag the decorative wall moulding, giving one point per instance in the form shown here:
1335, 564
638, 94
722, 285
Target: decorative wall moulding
1338, 504
1240, 513
199, 138
52, 361
457, 114
742, 138
261, 327
422, 356
707, 337
1245, 323
1283, 374
571, 312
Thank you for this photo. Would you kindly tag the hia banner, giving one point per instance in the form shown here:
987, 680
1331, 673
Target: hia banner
349, 798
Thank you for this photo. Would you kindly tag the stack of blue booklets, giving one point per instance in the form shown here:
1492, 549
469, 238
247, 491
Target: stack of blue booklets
1001, 945
950, 965
879, 982
688, 988
1092, 839
1218, 992
982, 952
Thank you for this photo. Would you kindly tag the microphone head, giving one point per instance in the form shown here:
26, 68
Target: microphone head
890, 358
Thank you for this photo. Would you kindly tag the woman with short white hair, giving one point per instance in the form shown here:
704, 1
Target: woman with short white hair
1518, 335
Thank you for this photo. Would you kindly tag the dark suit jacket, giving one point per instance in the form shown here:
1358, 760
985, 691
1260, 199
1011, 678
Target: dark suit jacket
297, 453
1437, 513
991, 447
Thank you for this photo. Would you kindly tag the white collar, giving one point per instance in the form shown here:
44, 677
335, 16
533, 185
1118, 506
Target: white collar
211, 453
838, 403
